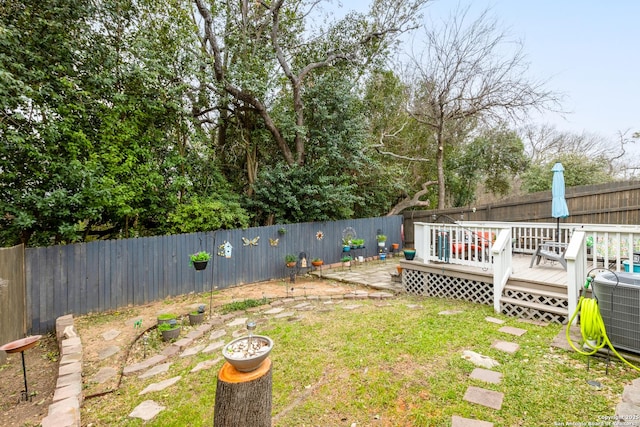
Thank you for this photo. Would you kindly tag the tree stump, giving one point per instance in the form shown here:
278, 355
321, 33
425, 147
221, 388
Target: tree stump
243, 398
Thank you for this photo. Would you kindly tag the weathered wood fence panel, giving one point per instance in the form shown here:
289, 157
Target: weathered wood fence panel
611, 203
107, 275
13, 313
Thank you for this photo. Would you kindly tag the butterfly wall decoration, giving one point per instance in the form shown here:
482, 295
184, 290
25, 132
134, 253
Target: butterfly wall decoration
274, 242
250, 242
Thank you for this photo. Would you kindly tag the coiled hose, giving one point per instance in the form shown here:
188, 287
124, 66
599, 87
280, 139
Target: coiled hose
592, 327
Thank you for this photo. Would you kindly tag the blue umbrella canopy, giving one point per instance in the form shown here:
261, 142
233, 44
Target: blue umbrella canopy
559, 207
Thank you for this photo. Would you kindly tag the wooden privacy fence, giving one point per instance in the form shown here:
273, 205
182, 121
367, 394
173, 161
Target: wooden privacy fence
108, 275
611, 203
12, 296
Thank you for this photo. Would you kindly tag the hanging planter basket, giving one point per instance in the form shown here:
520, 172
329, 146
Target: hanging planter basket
200, 265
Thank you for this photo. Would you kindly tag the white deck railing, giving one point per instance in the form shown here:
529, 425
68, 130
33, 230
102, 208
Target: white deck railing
490, 245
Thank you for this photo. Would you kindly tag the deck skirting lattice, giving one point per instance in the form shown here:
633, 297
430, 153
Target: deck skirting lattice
530, 313
436, 285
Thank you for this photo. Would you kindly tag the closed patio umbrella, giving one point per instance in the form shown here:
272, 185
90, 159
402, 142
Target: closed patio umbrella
559, 207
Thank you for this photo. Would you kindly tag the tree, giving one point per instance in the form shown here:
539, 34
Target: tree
49, 179
461, 79
276, 46
490, 161
579, 169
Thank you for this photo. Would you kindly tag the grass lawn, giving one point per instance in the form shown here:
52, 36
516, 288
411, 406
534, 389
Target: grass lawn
395, 363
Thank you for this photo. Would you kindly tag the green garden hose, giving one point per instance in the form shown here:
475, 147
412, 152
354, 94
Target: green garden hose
592, 327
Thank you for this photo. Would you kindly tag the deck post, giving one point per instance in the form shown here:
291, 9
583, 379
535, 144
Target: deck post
422, 240
501, 252
576, 257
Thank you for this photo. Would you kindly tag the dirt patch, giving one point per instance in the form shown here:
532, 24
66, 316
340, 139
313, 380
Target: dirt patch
42, 368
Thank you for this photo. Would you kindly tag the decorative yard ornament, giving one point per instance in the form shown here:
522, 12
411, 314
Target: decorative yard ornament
274, 242
225, 249
250, 242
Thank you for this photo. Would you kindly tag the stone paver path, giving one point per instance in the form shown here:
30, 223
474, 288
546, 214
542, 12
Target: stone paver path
486, 375
481, 396
508, 347
484, 397
159, 386
147, 410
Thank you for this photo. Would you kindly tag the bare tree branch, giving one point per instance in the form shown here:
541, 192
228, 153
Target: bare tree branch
461, 75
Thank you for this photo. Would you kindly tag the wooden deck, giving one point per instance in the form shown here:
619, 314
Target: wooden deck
546, 272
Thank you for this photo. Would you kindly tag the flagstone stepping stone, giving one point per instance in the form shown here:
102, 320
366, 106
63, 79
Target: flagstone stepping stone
457, 421
213, 347
195, 334
158, 369
240, 321
283, 315
147, 410
352, 306
486, 375
484, 397
217, 334
274, 310
104, 375
183, 343
479, 360
207, 364
449, 312
380, 295
160, 386
299, 306
110, 335
154, 360
204, 327
239, 333
507, 347
193, 350
108, 352
494, 320
513, 331
413, 306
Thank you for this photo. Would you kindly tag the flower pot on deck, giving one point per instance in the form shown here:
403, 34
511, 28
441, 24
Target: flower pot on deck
409, 254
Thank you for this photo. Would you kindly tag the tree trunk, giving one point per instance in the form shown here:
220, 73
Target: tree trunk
243, 398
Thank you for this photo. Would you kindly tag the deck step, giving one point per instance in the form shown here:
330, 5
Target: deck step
535, 306
549, 291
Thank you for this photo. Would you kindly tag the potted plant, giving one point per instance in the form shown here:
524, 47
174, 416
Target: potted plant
199, 260
395, 246
166, 318
382, 239
346, 260
357, 243
282, 231
169, 331
409, 253
317, 262
290, 260
346, 244
196, 317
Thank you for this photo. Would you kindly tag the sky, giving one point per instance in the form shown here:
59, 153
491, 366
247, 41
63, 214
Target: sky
589, 51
